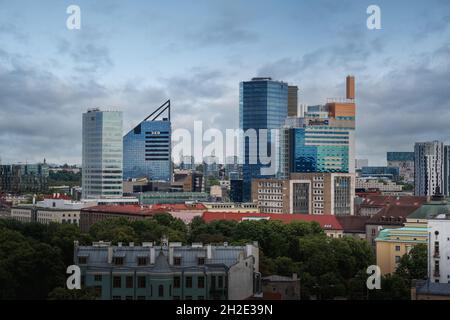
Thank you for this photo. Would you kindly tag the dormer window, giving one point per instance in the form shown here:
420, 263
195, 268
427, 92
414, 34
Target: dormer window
118, 261
142, 261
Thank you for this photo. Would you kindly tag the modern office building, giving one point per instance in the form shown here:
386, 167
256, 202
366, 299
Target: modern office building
391, 173
306, 193
147, 148
292, 101
428, 168
24, 178
170, 271
323, 140
263, 104
102, 166
405, 162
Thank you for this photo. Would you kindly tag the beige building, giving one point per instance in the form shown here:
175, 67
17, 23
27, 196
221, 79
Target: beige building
307, 193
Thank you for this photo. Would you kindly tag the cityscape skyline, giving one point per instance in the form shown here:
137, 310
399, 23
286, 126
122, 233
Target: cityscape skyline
66, 72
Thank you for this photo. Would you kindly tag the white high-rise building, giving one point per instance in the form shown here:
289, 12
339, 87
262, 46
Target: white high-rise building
102, 154
439, 248
428, 168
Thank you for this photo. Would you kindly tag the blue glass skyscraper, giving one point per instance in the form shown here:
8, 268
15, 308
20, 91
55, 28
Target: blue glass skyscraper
263, 104
147, 148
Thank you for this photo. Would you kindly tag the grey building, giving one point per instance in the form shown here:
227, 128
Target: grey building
170, 271
428, 168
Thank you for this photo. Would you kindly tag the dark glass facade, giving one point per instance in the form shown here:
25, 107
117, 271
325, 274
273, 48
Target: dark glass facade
263, 104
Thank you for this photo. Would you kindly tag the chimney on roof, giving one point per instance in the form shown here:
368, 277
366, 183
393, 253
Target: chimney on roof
209, 252
110, 254
152, 255
350, 87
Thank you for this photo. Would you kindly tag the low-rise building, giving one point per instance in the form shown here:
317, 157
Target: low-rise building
392, 244
170, 271
428, 290
384, 185
57, 208
247, 207
354, 226
286, 288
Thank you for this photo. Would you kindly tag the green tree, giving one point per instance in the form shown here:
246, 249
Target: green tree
61, 293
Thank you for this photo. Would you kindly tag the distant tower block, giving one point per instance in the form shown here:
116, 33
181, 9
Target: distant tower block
292, 101
350, 87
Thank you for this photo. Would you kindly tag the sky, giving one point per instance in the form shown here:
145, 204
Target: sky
134, 55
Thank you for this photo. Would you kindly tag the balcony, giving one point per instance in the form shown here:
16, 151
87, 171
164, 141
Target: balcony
436, 273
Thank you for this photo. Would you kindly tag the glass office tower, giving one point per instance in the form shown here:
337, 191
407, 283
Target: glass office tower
263, 104
102, 154
147, 149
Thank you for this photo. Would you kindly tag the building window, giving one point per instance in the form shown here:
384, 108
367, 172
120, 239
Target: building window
82, 260
397, 248
160, 290
177, 282
188, 282
142, 261
118, 261
201, 282
397, 259
98, 277
141, 282
213, 282
201, 261
177, 261
129, 282
220, 285
117, 282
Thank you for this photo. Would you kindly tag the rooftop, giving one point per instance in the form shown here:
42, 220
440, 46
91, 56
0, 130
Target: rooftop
327, 222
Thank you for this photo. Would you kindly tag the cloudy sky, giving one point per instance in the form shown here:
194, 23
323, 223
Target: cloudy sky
133, 55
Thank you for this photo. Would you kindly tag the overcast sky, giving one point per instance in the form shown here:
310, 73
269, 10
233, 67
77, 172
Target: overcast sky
133, 55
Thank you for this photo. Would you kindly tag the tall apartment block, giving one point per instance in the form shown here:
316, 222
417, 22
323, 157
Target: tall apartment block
102, 154
429, 168
263, 104
405, 162
147, 148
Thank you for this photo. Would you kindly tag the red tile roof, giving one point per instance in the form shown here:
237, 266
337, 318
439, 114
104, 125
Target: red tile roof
327, 222
58, 196
379, 200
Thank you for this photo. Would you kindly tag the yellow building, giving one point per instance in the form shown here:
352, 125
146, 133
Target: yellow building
392, 244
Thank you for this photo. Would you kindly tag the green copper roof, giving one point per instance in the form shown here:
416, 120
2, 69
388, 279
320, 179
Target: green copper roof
389, 234
430, 210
